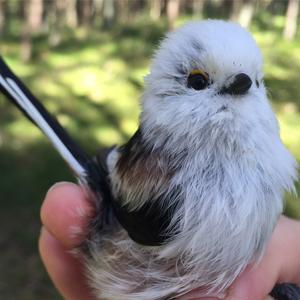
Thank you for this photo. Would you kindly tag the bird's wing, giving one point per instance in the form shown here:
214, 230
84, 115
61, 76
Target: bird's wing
129, 167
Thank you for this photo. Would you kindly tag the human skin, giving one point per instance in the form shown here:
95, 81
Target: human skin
65, 214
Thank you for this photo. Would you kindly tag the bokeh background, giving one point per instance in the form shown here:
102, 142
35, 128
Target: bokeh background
86, 61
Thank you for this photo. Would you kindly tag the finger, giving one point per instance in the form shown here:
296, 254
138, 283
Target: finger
254, 284
65, 270
286, 234
66, 212
257, 281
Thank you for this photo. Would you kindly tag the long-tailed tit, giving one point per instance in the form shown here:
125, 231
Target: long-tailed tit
193, 197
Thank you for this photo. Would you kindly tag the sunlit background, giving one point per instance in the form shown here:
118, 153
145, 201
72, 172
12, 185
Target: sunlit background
86, 61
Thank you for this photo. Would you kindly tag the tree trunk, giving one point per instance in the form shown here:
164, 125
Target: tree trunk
71, 13
108, 13
155, 9
198, 7
246, 13
235, 10
56, 11
98, 12
242, 11
33, 22
35, 14
172, 12
221, 3
2, 15
87, 12
290, 27
122, 10
26, 47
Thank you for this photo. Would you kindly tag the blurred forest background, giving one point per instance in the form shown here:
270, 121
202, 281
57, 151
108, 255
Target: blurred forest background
86, 61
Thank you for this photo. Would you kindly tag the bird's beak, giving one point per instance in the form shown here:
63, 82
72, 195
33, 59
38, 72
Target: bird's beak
239, 85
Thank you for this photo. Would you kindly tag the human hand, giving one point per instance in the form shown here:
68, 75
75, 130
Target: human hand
65, 214
280, 264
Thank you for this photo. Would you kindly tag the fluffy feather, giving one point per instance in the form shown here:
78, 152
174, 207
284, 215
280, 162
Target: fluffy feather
223, 154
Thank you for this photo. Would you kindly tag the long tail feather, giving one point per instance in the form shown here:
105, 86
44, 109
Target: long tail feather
88, 172
17, 92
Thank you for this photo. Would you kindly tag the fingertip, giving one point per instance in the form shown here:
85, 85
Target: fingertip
62, 185
65, 270
66, 212
57, 194
254, 283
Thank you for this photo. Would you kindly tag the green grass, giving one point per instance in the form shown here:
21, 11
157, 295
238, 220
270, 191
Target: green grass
92, 82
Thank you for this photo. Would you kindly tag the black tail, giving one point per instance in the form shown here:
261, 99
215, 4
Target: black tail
92, 175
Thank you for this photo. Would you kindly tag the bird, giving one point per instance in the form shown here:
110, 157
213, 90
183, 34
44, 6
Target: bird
193, 197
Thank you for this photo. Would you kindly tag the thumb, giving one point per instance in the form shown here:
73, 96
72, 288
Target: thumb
254, 283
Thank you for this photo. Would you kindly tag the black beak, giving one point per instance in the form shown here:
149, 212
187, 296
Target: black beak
239, 86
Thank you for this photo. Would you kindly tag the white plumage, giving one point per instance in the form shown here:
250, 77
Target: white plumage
229, 162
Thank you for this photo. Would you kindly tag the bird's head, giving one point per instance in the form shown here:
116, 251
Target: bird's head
206, 77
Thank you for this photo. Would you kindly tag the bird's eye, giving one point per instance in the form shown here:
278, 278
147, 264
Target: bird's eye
198, 80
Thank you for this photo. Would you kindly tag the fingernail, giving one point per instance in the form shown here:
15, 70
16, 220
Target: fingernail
57, 184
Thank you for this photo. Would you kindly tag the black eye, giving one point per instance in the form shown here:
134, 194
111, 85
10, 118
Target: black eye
198, 81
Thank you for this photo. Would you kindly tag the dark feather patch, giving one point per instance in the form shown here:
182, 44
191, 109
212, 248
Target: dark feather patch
142, 166
148, 225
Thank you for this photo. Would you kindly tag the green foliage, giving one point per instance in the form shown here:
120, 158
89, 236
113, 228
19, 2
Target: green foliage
92, 81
